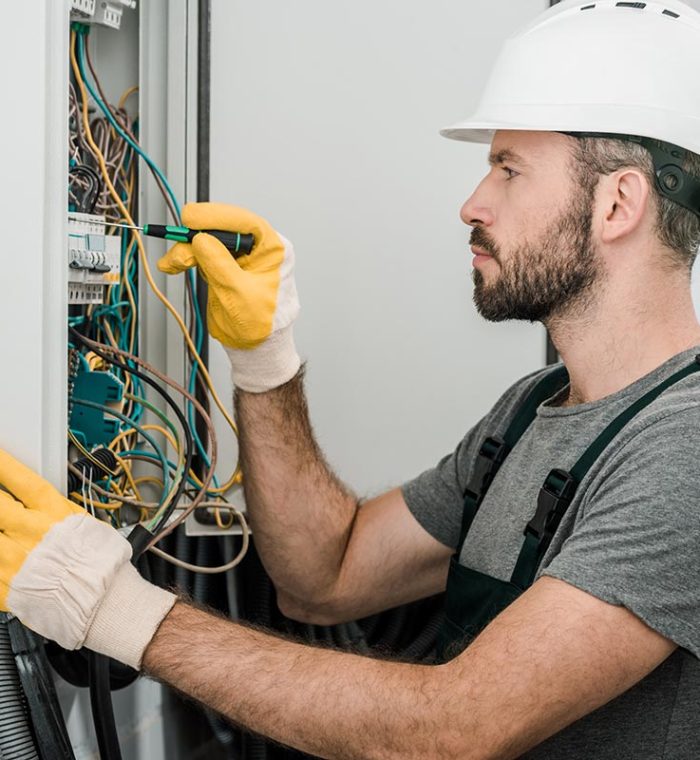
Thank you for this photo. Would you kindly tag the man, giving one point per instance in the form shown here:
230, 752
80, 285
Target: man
598, 657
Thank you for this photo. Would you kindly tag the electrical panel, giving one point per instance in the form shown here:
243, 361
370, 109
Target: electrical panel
98, 107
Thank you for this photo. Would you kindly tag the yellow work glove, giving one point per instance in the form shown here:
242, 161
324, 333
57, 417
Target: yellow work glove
252, 301
68, 576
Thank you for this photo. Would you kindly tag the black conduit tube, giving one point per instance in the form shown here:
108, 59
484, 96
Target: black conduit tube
101, 704
49, 729
203, 163
16, 738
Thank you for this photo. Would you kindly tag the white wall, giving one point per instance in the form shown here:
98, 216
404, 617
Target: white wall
325, 119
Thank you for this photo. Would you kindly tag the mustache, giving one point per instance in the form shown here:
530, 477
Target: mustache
481, 239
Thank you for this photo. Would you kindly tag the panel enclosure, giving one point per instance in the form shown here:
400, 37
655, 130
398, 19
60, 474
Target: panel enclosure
153, 48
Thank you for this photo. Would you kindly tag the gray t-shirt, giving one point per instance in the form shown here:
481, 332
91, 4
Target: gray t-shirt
631, 537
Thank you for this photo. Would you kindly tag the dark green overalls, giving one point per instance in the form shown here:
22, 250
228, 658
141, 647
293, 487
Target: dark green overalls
473, 599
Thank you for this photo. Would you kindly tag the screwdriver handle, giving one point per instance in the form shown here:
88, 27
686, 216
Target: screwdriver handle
238, 243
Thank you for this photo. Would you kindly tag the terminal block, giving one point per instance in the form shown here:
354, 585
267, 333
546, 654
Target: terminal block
94, 259
93, 426
82, 10
109, 12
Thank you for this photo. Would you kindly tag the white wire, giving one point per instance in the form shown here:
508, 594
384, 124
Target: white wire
212, 570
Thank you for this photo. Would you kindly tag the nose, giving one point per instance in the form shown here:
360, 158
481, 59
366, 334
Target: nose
476, 210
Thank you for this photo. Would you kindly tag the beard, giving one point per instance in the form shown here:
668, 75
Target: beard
543, 279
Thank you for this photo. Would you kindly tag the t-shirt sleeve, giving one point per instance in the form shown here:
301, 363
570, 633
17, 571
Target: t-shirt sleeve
636, 542
435, 496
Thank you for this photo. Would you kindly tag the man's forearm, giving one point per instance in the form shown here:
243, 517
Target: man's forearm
328, 703
552, 656
300, 512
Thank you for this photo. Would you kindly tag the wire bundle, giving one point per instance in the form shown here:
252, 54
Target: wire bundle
104, 152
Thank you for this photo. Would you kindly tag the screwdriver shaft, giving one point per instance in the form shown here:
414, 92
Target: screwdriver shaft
237, 243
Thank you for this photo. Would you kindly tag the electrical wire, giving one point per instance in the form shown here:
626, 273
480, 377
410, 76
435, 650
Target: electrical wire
116, 497
74, 440
87, 179
245, 533
82, 47
103, 351
164, 528
169, 197
77, 67
113, 117
140, 429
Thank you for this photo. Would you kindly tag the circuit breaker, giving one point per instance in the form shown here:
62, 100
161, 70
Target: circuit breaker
94, 258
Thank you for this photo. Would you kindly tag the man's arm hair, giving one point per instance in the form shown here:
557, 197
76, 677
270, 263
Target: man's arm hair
553, 656
330, 557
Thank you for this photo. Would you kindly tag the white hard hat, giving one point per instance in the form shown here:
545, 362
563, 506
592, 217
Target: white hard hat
601, 66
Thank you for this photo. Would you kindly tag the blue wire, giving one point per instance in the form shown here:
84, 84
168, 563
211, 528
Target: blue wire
193, 376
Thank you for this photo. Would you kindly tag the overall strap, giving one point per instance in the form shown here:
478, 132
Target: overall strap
494, 449
560, 486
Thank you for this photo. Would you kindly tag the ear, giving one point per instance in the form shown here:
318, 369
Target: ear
625, 197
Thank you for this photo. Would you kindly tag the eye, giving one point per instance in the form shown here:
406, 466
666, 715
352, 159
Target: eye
511, 173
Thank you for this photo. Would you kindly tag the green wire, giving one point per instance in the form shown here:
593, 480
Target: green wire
158, 414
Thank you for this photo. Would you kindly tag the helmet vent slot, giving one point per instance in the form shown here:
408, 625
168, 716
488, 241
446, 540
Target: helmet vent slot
631, 5
671, 14
587, 7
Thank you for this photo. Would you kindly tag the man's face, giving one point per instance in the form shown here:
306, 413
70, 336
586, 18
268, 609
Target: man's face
534, 256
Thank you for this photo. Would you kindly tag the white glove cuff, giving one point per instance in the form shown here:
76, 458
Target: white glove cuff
128, 617
268, 366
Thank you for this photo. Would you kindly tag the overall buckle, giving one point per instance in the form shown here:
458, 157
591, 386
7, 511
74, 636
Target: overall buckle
492, 453
552, 502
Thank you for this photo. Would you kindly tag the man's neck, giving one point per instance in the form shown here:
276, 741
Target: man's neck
622, 338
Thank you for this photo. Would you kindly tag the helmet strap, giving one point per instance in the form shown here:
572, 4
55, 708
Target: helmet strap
672, 181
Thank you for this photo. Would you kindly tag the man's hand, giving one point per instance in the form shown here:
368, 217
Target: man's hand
252, 301
68, 576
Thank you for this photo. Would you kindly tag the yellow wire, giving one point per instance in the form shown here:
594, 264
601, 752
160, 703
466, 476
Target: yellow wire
76, 442
112, 483
128, 384
149, 479
181, 456
114, 486
220, 522
157, 428
144, 262
78, 497
126, 94
129, 476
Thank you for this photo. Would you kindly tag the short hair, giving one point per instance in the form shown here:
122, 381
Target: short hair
676, 227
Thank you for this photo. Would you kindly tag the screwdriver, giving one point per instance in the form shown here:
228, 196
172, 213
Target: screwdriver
238, 243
